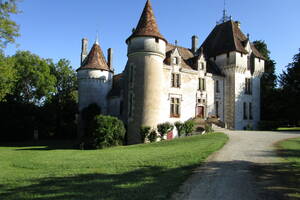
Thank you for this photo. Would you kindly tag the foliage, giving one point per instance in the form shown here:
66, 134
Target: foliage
152, 137
107, 131
269, 105
9, 30
180, 128
88, 115
35, 82
290, 83
8, 76
150, 171
189, 127
208, 128
164, 128
144, 132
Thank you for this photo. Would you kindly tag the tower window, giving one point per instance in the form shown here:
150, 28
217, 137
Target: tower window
248, 86
175, 60
242, 55
175, 107
217, 109
245, 111
157, 40
131, 74
175, 80
228, 55
250, 111
130, 113
217, 86
202, 85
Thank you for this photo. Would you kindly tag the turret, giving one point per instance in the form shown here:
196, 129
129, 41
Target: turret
144, 72
94, 78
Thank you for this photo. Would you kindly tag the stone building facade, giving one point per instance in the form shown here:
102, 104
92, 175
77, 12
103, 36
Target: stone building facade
164, 82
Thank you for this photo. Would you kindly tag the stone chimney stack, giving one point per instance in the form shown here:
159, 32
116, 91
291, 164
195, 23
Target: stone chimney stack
110, 53
194, 43
84, 50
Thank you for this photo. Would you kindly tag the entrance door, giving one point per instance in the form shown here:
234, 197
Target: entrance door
200, 111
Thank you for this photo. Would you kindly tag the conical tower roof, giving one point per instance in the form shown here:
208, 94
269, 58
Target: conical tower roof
95, 59
147, 25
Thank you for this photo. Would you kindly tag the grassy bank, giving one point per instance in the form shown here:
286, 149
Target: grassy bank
152, 171
288, 129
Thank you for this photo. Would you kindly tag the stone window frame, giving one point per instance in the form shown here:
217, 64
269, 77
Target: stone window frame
175, 107
201, 84
248, 86
175, 80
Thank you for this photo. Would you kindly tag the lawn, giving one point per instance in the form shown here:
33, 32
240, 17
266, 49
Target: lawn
288, 129
151, 171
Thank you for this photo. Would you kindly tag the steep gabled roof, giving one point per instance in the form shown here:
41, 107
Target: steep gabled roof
225, 37
147, 25
95, 60
185, 53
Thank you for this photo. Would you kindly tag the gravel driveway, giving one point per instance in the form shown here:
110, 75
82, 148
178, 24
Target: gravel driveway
226, 175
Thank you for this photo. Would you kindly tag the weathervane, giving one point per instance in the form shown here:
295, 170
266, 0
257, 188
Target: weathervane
225, 17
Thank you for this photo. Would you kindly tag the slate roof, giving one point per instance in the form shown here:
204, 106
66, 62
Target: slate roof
95, 60
185, 53
227, 37
147, 25
116, 87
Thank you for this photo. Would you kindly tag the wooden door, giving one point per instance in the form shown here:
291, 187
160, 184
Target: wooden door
200, 111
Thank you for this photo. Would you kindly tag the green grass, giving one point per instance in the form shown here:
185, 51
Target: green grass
288, 129
151, 171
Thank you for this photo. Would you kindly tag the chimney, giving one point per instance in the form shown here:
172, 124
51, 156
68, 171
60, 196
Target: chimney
84, 50
110, 58
194, 43
238, 24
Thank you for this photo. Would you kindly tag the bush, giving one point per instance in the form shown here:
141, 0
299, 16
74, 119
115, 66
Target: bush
208, 128
189, 127
152, 136
269, 125
106, 131
88, 114
164, 128
180, 128
144, 132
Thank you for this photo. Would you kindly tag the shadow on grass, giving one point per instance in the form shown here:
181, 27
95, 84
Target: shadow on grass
44, 145
145, 183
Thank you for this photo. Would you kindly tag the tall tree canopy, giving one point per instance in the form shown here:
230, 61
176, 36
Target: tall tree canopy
8, 76
269, 93
35, 83
290, 83
9, 30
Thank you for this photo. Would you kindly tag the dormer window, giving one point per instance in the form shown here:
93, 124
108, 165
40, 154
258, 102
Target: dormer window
202, 66
175, 60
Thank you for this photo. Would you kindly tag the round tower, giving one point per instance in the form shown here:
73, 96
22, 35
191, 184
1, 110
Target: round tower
94, 78
144, 72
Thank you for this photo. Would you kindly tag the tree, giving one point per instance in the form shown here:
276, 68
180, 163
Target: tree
180, 127
269, 109
35, 82
8, 76
290, 83
9, 30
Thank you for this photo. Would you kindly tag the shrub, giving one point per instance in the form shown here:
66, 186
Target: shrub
180, 128
269, 125
189, 127
88, 114
208, 128
164, 128
144, 132
107, 131
152, 136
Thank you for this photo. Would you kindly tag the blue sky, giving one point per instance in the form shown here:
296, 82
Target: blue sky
54, 28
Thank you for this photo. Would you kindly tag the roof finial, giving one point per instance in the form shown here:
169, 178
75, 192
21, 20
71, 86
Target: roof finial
225, 17
176, 42
97, 38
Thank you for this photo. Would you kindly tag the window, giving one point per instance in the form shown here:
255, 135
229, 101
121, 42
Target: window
228, 55
199, 101
248, 62
157, 40
202, 85
217, 86
175, 80
248, 86
242, 55
215, 58
202, 66
217, 109
175, 60
131, 74
245, 111
250, 111
175, 107
130, 112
